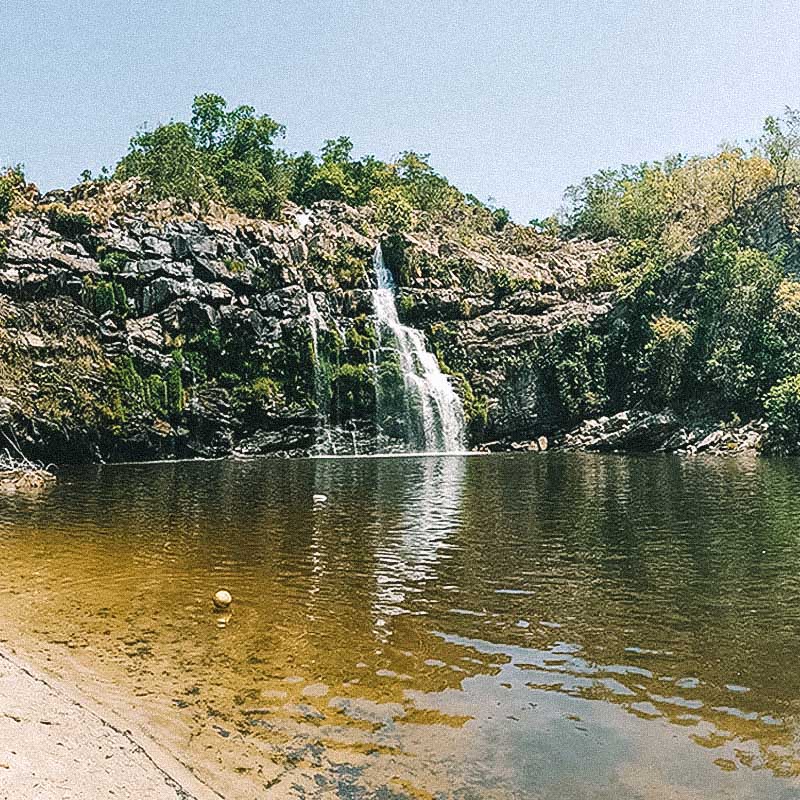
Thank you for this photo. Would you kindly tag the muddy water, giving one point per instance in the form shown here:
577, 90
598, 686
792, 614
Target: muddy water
494, 627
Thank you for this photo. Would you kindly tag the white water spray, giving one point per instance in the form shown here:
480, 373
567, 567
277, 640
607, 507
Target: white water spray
434, 414
315, 322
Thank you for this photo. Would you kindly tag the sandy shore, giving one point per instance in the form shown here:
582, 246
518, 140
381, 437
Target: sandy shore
55, 745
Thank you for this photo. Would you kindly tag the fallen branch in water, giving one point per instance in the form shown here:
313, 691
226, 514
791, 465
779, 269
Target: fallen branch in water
18, 473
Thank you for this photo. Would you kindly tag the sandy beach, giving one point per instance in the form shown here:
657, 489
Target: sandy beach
56, 745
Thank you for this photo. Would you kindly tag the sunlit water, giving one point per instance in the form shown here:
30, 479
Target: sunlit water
527, 626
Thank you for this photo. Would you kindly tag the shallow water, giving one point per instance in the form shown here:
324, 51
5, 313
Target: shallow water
519, 626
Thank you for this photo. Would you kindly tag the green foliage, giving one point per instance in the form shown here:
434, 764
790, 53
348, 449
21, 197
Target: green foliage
112, 261
400, 192
780, 143
735, 332
253, 397
245, 187
235, 265
711, 333
348, 264
782, 409
549, 226
406, 305
231, 156
203, 353
70, 224
104, 176
424, 187
391, 391
265, 390
620, 266
175, 397
105, 296
505, 284
132, 395
361, 338
168, 159
702, 321
577, 359
664, 360
155, 390
293, 365
334, 178
393, 209
353, 391
12, 185
476, 409
6, 198
501, 218
672, 203
220, 155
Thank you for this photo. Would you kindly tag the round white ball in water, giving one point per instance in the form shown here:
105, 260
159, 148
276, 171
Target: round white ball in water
222, 599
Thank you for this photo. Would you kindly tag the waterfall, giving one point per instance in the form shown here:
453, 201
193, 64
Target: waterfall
315, 323
432, 411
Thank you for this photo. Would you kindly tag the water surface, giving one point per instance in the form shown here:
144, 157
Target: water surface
520, 626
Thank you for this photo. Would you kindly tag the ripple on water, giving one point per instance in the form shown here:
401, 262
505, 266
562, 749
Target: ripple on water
445, 626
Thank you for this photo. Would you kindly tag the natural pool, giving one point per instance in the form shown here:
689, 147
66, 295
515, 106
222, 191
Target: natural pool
522, 626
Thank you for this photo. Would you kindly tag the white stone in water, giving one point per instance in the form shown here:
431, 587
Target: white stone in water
222, 599
320, 498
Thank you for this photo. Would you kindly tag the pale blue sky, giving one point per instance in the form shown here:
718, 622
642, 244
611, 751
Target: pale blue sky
514, 100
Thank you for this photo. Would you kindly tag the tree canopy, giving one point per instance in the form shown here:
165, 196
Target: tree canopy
232, 156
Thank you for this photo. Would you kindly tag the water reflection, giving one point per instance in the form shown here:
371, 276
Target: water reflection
412, 546
512, 626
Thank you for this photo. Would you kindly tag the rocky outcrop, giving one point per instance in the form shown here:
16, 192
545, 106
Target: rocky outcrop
134, 330
627, 430
663, 431
771, 223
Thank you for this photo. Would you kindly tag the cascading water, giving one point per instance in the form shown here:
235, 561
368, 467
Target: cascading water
315, 323
433, 414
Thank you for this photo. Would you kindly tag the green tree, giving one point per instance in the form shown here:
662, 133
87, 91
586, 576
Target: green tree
737, 290
664, 360
169, 160
577, 359
220, 155
12, 185
782, 409
780, 143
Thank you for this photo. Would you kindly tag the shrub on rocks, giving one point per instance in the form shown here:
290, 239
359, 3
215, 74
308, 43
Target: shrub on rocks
70, 224
12, 184
783, 416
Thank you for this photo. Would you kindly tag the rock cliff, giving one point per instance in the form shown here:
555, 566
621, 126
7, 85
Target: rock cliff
131, 329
